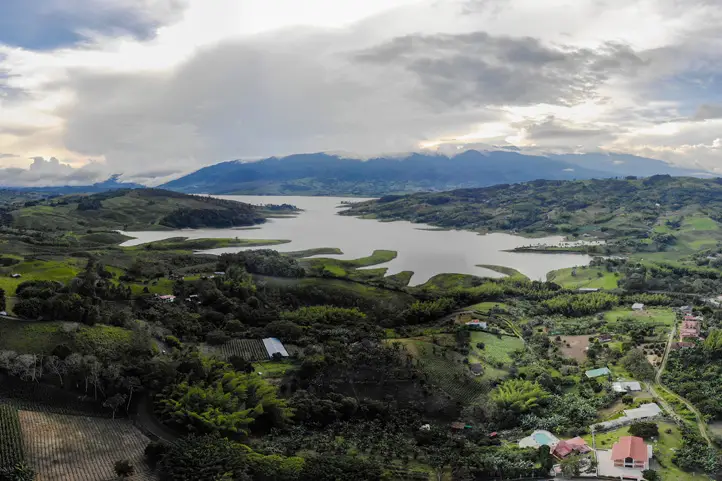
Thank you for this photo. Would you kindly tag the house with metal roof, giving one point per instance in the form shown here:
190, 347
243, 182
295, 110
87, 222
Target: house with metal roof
274, 346
602, 371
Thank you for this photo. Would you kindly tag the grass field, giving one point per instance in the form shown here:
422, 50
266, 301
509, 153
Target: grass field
485, 307
497, 350
657, 315
507, 271
42, 337
75, 448
51, 270
593, 277
663, 447
273, 369
189, 245
32, 337
354, 269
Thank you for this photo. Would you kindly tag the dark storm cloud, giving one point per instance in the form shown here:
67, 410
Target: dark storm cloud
481, 69
50, 24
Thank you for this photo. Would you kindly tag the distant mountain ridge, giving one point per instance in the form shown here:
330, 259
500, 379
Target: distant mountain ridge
112, 183
325, 174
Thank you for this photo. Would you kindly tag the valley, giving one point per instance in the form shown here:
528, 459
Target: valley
296, 343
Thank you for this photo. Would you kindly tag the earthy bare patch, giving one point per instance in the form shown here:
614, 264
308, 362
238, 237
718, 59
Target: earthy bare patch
77, 448
573, 346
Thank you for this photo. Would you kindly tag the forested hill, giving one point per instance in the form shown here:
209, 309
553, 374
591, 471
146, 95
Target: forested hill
648, 207
323, 174
132, 210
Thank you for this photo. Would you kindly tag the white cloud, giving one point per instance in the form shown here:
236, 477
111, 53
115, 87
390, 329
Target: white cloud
184, 87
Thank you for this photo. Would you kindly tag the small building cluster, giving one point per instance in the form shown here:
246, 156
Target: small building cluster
642, 413
690, 328
477, 324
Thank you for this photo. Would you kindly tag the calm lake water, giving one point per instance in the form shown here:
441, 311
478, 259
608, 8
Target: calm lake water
425, 252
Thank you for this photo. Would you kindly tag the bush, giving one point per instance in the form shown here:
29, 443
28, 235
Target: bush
216, 338
124, 468
644, 429
154, 452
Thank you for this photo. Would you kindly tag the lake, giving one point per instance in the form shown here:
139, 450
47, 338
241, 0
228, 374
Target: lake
421, 249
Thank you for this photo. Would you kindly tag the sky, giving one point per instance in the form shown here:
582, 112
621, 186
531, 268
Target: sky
153, 89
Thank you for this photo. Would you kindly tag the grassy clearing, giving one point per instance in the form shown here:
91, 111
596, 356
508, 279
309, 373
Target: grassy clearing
507, 271
159, 286
664, 448
314, 252
443, 282
485, 307
51, 270
699, 223
274, 369
497, 349
592, 277
186, 244
42, 337
357, 269
102, 340
32, 337
661, 316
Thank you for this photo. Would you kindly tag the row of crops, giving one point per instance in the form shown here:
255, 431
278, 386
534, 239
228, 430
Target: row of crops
78, 448
248, 349
447, 374
11, 437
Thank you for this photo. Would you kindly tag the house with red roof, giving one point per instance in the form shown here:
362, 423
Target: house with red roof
690, 329
631, 452
570, 446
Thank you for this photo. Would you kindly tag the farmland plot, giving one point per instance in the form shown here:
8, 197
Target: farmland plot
11, 441
248, 349
75, 448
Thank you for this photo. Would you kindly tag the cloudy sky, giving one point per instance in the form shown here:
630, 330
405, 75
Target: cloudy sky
155, 88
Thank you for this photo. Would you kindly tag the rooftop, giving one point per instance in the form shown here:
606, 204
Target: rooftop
626, 386
274, 346
630, 447
602, 371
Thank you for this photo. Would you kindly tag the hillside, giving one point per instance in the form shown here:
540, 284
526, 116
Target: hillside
323, 174
658, 211
134, 210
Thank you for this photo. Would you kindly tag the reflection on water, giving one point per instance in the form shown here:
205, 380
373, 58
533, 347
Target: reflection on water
426, 252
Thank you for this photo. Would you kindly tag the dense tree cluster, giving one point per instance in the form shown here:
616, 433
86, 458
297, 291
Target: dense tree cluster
262, 261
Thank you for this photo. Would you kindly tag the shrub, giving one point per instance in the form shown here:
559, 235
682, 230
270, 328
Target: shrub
124, 469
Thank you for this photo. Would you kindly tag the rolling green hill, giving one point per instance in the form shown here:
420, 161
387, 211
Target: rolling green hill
652, 214
138, 209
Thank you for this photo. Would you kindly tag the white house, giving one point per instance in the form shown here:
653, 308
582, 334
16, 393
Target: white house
477, 324
637, 306
626, 386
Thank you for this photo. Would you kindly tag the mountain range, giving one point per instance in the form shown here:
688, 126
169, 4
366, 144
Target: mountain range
325, 174
328, 174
